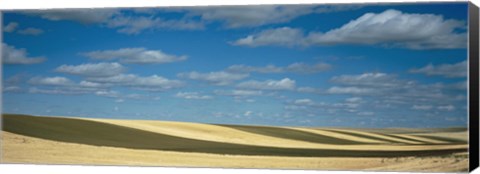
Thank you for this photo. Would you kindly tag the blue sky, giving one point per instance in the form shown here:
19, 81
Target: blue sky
299, 65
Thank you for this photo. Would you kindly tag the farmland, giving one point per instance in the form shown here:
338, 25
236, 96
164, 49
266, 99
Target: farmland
66, 140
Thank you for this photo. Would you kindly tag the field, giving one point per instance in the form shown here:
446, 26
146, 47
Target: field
62, 140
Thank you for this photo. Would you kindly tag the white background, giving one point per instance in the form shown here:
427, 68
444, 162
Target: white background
68, 169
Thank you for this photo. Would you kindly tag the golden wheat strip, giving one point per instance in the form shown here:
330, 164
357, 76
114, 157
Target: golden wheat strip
339, 135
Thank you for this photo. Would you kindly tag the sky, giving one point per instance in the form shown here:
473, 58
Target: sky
363, 65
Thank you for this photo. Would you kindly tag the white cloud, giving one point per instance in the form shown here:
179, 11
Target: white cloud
308, 90
135, 56
307, 69
137, 24
354, 99
55, 91
459, 85
284, 36
85, 16
347, 105
252, 16
53, 81
117, 19
151, 83
297, 67
217, 78
15, 79
12, 89
92, 70
303, 102
369, 79
350, 90
422, 107
239, 93
192, 95
88, 84
391, 90
446, 108
10, 27
11, 55
139, 20
447, 70
104, 93
283, 84
366, 113
247, 69
246, 93
247, 113
411, 30
62, 85
30, 31
389, 28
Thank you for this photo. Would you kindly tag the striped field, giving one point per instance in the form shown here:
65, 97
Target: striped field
62, 140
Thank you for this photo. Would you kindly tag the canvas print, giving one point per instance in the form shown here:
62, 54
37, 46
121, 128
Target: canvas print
371, 87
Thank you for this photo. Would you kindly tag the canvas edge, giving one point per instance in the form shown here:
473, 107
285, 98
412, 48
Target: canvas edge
473, 78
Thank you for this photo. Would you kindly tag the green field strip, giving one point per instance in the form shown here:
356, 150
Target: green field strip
292, 134
103, 134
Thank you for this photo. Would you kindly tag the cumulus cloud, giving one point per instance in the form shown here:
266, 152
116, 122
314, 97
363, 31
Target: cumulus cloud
88, 84
192, 95
109, 93
353, 99
390, 92
248, 69
389, 28
12, 55
283, 84
139, 20
53, 81
411, 30
447, 70
150, 83
297, 67
84, 16
121, 20
366, 113
446, 107
135, 56
370, 79
422, 107
305, 101
30, 31
310, 107
216, 78
137, 24
252, 16
102, 86
10, 27
350, 90
12, 89
92, 70
308, 90
55, 91
307, 69
284, 36
239, 93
